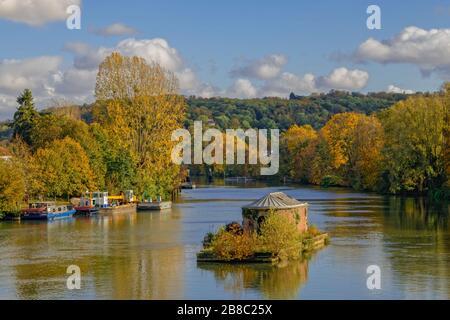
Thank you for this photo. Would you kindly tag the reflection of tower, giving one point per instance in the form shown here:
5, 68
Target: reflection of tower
274, 282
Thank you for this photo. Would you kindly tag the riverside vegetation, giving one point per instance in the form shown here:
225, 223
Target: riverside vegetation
389, 143
126, 145
277, 236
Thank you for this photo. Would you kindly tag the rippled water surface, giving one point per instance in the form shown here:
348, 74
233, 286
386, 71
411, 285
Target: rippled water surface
152, 255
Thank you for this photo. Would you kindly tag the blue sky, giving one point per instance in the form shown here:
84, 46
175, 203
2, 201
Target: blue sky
229, 48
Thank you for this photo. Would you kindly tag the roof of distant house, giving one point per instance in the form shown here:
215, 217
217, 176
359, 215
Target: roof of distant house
4, 152
275, 200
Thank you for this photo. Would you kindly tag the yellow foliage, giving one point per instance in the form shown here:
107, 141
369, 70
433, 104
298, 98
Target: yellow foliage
232, 246
138, 106
339, 134
279, 235
64, 169
301, 145
12, 186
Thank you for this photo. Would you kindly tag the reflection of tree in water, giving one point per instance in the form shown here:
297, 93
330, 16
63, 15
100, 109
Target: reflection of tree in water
121, 256
417, 237
274, 282
417, 214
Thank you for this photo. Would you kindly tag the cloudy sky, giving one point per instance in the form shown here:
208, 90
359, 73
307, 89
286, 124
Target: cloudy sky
228, 48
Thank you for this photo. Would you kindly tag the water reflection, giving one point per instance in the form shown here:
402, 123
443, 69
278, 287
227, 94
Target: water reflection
273, 281
417, 241
151, 255
121, 256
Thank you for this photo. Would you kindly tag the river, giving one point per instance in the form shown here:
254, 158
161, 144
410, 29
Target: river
151, 255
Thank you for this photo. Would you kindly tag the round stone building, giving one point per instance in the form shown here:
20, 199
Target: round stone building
254, 213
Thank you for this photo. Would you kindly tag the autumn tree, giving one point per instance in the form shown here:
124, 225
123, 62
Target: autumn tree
25, 159
64, 169
139, 107
415, 145
300, 144
12, 186
25, 116
51, 127
446, 99
350, 149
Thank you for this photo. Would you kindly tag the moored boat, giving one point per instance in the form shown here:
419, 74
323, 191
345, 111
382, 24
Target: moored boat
188, 185
160, 205
87, 205
47, 211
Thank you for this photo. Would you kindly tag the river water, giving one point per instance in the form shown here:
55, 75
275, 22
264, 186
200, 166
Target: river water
151, 255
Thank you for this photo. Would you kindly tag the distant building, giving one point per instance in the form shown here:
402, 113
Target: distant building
254, 213
5, 154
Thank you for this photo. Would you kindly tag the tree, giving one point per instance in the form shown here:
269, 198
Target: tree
300, 143
365, 157
353, 148
12, 186
278, 234
24, 158
415, 146
51, 127
139, 108
64, 169
25, 116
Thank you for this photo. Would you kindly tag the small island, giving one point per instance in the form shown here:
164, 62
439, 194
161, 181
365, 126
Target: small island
274, 229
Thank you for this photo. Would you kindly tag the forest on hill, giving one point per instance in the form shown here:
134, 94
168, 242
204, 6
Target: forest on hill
261, 113
272, 113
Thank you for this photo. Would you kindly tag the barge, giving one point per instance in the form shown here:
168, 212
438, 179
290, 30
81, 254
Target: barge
161, 205
47, 211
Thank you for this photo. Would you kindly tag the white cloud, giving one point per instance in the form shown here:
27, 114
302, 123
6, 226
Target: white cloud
35, 12
266, 68
340, 78
428, 49
288, 82
394, 89
242, 88
33, 73
153, 50
115, 29
344, 79
87, 57
208, 91
75, 82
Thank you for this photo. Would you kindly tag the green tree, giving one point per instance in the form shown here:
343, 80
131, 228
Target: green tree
25, 116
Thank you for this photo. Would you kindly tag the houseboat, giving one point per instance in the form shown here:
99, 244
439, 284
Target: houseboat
89, 203
47, 211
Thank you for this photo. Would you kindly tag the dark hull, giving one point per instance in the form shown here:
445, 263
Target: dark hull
47, 216
86, 212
